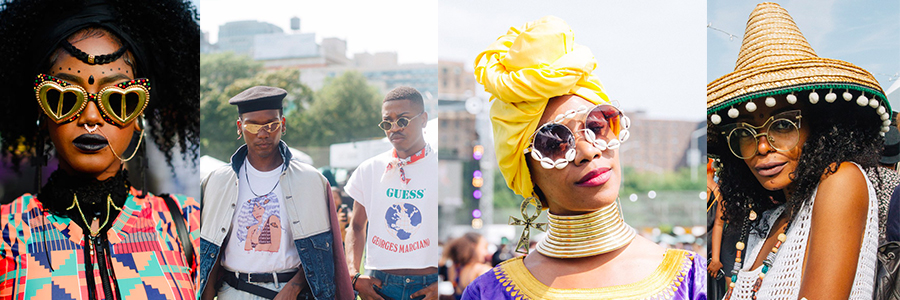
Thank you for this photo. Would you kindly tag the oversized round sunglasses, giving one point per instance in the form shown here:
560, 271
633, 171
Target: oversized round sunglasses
782, 131
401, 122
603, 126
268, 127
119, 104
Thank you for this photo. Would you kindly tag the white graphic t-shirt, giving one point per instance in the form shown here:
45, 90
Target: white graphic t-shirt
258, 242
403, 226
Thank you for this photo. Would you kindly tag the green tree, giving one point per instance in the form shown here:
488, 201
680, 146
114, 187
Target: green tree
503, 195
346, 109
219, 70
217, 129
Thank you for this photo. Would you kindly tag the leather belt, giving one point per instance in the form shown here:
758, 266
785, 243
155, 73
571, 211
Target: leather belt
232, 279
264, 277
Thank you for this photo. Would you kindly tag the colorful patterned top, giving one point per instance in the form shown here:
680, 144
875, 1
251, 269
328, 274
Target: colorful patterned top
147, 259
681, 275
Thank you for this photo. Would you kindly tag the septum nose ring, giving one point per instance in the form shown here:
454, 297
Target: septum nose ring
91, 129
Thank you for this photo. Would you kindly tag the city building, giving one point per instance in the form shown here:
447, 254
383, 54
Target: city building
658, 145
456, 83
238, 36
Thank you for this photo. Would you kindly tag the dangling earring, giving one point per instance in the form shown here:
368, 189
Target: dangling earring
528, 222
40, 159
140, 139
142, 163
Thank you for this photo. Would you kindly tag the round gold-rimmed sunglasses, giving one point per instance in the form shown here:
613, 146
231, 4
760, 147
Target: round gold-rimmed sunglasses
782, 132
401, 122
63, 102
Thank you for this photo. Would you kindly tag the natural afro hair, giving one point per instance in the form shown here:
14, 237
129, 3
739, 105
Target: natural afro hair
167, 33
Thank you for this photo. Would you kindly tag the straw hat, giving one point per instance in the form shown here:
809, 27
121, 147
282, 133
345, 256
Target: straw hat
775, 59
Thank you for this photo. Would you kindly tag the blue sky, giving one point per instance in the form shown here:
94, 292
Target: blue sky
865, 33
650, 55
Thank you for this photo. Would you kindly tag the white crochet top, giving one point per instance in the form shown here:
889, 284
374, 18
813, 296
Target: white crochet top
783, 279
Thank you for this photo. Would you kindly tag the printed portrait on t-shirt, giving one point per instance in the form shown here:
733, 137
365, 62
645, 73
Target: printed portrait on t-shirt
259, 224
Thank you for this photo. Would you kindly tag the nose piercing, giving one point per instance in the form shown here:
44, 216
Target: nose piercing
91, 129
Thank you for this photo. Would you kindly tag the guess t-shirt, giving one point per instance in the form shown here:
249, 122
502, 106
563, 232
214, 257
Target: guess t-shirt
258, 243
401, 206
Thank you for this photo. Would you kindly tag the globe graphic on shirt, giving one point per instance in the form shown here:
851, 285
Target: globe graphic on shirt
403, 220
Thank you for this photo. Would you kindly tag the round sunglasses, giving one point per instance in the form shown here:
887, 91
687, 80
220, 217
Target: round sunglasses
782, 132
401, 122
553, 144
63, 102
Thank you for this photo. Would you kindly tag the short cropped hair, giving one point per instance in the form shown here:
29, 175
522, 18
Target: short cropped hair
406, 93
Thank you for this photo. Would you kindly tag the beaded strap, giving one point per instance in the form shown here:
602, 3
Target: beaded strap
90, 58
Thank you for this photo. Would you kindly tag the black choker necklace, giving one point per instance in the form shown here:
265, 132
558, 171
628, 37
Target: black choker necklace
93, 196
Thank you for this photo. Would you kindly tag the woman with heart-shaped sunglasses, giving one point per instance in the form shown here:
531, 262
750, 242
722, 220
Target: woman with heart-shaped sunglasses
79, 80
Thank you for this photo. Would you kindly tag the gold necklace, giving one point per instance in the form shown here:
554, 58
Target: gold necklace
108, 203
586, 235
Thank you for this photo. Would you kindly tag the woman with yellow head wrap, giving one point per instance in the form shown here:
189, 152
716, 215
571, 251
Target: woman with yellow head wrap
556, 136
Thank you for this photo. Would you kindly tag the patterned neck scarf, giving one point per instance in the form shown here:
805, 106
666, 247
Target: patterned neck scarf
398, 163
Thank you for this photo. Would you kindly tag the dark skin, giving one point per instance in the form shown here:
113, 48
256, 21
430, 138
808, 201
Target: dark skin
100, 164
406, 142
263, 146
629, 264
838, 219
262, 153
716, 240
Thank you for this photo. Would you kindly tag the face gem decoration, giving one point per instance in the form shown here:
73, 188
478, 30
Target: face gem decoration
91, 79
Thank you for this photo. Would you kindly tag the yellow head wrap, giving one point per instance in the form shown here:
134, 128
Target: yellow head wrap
524, 69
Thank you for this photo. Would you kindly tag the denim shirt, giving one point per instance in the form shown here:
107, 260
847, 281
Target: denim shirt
308, 215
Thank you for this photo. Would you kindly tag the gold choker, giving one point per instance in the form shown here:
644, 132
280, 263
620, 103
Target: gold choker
586, 235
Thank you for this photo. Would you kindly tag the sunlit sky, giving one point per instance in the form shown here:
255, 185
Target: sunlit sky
650, 55
408, 27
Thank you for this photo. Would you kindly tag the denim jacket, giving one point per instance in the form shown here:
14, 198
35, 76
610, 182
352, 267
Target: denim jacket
311, 214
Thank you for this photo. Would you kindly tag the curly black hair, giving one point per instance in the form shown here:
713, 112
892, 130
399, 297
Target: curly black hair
166, 31
838, 132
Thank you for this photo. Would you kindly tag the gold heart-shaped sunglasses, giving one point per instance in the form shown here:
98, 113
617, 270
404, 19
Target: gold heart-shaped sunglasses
119, 104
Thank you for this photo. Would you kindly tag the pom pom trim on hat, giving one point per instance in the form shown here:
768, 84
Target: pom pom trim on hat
876, 95
877, 101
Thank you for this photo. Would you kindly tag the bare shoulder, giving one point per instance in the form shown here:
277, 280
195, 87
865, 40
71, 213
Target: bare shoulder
643, 248
843, 192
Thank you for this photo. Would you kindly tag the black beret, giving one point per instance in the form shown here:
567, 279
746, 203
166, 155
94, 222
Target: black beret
258, 98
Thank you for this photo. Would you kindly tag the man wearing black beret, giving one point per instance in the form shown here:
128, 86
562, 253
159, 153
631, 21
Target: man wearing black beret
269, 228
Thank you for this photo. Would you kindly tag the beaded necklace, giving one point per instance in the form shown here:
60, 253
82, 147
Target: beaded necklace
767, 263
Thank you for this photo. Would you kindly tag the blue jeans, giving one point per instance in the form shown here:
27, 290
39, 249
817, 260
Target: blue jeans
227, 292
399, 287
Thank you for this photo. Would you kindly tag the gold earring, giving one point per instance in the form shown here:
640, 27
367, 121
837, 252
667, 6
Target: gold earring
528, 222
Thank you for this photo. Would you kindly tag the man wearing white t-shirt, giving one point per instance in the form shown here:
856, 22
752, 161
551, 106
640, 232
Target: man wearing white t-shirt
395, 211
269, 228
